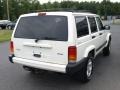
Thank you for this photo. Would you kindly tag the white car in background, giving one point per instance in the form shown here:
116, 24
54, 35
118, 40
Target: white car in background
3, 23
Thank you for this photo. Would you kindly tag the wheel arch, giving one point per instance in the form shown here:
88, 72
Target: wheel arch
108, 38
90, 49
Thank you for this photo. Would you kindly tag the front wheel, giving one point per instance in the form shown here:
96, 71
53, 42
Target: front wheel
3, 27
106, 50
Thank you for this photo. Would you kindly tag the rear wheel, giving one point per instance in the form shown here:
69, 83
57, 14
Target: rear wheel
85, 74
9, 27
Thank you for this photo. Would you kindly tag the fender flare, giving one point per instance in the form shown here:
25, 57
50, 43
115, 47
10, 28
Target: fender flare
108, 38
88, 49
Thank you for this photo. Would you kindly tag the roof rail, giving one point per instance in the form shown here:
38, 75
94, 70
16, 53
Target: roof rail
61, 10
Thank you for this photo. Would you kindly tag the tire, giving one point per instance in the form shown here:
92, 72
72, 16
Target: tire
9, 27
106, 50
3, 27
85, 74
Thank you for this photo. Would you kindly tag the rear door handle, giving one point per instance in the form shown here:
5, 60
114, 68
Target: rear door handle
100, 33
37, 55
93, 37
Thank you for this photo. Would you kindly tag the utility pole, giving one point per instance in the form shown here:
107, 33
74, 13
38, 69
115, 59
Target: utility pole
105, 8
8, 15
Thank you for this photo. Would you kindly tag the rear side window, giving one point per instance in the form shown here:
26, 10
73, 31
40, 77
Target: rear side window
93, 25
100, 25
43, 28
82, 26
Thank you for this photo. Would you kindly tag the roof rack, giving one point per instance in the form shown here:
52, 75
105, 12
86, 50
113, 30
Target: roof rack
62, 10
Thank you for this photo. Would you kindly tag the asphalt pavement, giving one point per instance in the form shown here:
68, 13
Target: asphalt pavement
106, 75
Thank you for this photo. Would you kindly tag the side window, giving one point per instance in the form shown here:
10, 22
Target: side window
82, 26
100, 25
93, 25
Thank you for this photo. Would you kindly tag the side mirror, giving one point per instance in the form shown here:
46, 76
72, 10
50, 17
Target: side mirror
107, 27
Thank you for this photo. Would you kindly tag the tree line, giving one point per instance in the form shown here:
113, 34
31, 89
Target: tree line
18, 7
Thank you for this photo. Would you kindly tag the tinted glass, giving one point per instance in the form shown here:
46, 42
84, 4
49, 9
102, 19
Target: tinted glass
92, 24
100, 25
43, 27
82, 26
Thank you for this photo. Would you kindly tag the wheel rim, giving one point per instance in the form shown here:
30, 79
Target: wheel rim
89, 68
9, 27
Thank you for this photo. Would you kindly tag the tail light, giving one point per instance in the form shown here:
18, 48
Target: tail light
72, 53
11, 47
41, 14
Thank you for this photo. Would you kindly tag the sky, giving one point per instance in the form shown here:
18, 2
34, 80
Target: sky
45, 1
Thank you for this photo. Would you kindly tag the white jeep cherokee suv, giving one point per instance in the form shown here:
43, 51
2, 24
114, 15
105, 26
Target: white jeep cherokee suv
65, 42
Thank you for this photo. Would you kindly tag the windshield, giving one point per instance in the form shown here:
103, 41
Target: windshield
43, 28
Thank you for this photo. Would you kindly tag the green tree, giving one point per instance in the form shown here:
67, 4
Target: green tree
18, 7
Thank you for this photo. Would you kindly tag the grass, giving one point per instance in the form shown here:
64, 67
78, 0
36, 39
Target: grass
5, 35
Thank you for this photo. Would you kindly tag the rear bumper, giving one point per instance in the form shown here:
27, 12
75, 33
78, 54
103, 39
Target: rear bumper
75, 67
70, 68
40, 65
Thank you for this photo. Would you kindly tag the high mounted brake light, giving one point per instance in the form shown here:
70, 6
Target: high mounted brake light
72, 54
41, 14
11, 47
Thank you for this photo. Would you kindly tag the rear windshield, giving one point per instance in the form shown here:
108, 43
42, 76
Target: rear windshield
43, 28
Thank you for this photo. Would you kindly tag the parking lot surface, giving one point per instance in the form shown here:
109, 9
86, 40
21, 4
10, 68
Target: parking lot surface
106, 75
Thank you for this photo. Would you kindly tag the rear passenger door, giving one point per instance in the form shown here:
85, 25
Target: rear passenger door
96, 40
82, 29
83, 35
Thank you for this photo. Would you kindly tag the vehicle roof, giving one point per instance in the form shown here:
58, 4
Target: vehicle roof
3, 20
84, 13
61, 13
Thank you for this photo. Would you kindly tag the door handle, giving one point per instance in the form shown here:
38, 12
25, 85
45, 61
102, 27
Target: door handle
37, 55
93, 37
100, 33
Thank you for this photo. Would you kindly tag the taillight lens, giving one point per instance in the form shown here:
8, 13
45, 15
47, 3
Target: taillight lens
11, 47
41, 14
72, 53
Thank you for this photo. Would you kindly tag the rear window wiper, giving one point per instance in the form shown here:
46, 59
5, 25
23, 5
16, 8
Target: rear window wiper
37, 39
45, 38
49, 38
